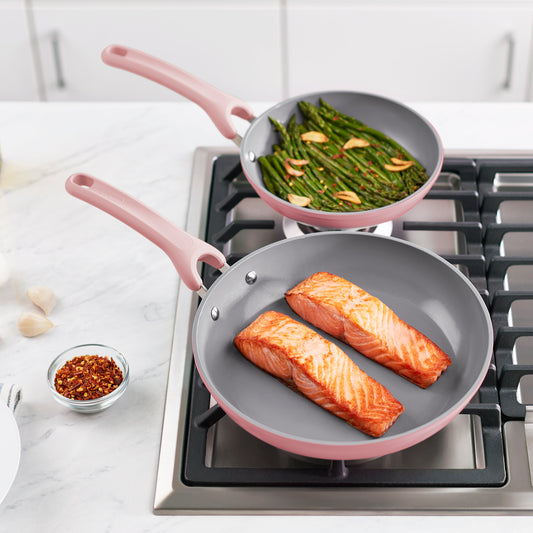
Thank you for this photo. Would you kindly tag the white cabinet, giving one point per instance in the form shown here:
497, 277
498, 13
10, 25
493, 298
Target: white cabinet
234, 45
267, 50
19, 80
416, 51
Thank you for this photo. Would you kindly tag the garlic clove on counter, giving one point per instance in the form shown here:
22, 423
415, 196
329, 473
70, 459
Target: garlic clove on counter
42, 297
33, 324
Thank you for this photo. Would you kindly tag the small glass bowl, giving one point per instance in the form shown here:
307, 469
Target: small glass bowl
98, 404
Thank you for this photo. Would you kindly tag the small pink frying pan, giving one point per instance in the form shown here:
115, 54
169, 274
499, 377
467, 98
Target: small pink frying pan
398, 121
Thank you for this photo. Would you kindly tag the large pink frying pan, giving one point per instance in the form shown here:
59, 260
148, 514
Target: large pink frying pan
398, 121
422, 288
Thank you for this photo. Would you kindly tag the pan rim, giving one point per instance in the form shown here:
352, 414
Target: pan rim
356, 450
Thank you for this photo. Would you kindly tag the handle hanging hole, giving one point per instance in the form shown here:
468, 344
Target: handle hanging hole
82, 180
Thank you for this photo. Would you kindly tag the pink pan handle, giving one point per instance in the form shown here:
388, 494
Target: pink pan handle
218, 105
183, 249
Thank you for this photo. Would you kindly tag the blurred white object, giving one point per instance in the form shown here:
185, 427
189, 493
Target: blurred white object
9, 437
4, 270
10, 395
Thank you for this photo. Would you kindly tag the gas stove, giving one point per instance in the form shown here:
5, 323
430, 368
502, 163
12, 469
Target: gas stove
479, 217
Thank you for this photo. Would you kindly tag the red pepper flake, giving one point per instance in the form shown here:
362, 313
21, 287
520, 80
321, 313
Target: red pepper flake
336, 156
88, 377
335, 117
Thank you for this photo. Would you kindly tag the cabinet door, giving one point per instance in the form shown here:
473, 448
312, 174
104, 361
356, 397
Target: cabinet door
415, 53
19, 80
235, 46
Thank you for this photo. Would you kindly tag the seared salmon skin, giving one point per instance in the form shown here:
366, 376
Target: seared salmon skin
307, 362
350, 314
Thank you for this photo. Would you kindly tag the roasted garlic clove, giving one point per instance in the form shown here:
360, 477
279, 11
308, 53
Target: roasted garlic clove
398, 161
348, 196
297, 162
355, 142
314, 136
292, 171
302, 201
398, 168
42, 297
33, 324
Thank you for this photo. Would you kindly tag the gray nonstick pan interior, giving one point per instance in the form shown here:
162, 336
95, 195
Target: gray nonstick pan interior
423, 289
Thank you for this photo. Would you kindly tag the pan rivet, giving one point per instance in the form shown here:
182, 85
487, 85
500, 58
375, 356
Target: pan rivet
215, 313
251, 277
251, 156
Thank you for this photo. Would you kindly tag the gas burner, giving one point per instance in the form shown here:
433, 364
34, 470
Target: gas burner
479, 217
293, 228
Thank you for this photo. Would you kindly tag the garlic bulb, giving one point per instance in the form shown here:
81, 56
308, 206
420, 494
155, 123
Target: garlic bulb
42, 297
33, 324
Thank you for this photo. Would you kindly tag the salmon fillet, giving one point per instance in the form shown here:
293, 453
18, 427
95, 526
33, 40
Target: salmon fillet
357, 318
320, 370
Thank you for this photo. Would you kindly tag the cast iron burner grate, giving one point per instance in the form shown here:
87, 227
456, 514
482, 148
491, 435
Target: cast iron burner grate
496, 401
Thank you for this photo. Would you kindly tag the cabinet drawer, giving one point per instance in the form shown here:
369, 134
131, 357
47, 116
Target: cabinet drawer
19, 81
416, 53
234, 46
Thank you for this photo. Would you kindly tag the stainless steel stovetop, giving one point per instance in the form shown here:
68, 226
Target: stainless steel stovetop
479, 216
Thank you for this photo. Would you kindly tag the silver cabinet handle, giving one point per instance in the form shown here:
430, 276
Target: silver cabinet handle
60, 79
510, 40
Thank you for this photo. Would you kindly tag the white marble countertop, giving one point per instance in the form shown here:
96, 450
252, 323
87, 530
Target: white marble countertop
97, 473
